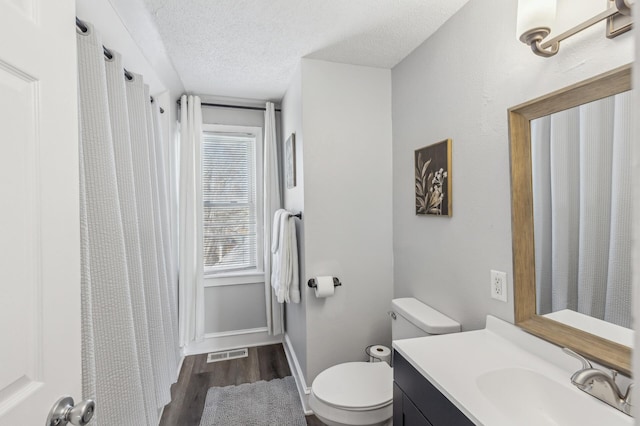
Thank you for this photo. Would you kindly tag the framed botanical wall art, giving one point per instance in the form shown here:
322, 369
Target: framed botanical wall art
433, 179
290, 161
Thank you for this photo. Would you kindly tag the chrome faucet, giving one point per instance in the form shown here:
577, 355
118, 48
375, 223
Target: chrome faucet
601, 385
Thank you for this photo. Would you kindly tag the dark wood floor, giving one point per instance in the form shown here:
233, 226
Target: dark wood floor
196, 377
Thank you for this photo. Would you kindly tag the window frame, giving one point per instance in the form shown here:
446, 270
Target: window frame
249, 275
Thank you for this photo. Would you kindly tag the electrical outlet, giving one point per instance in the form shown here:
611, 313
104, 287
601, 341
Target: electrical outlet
499, 285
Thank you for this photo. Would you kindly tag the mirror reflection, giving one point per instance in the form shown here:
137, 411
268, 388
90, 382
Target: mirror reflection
581, 176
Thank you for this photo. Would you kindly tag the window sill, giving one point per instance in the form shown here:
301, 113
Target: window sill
233, 278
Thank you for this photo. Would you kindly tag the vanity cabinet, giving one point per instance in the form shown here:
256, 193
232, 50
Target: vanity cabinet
416, 402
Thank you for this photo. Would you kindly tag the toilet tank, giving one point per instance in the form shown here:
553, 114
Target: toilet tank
412, 318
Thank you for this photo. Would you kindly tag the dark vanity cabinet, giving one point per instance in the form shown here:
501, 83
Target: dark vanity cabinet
416, 402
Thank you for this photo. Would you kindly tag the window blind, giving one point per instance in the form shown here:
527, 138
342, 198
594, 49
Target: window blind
229, 198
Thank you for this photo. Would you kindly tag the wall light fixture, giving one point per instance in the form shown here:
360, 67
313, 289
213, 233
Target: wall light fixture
536, 18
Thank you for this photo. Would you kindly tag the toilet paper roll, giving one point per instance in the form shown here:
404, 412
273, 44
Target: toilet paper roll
324, 287
379, 353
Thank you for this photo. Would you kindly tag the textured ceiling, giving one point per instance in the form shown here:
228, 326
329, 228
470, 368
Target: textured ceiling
250, 48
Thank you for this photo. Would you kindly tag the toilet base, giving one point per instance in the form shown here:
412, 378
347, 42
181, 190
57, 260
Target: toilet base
333, 416
332, 423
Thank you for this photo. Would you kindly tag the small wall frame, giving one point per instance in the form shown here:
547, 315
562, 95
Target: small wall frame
290, 161
433, 179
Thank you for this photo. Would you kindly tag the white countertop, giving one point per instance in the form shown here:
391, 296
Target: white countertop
454, 362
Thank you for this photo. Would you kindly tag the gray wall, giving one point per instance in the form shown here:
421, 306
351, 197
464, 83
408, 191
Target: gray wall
636, 206
295, 314
239, 306
345, 190
346, 113
231, 116
234, 307
458, 84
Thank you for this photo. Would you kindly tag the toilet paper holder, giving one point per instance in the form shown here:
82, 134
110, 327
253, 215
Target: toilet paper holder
313, 284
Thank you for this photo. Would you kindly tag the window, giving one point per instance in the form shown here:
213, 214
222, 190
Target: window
232, 199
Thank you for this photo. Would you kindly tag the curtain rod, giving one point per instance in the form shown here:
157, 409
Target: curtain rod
161, 109
232, 106
107, 53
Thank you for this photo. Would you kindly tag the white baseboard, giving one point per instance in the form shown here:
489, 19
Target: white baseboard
175, 380
214, 342
303, 390
160, 413
179, 368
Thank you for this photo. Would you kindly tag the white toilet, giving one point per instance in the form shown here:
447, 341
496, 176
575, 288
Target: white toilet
361, 393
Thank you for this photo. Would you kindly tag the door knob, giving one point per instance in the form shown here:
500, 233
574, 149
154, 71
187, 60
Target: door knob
64, 411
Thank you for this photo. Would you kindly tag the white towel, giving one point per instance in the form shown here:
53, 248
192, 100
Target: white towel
275, 236
282, 255
284, 269
294, 284
277, 250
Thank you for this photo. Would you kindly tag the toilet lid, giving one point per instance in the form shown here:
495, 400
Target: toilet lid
355, 385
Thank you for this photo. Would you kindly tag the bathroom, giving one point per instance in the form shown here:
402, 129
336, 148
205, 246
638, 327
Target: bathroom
356, 130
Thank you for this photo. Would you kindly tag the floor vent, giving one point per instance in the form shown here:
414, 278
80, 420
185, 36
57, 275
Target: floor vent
227, 355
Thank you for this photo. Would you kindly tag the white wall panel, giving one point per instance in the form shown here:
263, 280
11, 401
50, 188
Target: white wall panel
21, 298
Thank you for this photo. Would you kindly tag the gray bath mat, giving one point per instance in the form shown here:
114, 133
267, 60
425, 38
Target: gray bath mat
275, 402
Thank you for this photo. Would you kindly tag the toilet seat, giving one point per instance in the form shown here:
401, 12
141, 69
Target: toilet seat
355, 386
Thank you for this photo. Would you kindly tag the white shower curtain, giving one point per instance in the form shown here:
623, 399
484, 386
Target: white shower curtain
128, 300
272, 202
191, 307
582, 216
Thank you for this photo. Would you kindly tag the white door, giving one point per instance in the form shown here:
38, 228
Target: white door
39, 219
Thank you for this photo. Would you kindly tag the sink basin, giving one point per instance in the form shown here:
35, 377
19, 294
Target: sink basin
504, 376
527, 397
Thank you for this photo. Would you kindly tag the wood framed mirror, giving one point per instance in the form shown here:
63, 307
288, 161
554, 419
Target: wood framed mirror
599, 349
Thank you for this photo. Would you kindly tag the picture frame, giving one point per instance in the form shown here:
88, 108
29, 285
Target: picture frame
290, 161
433, 179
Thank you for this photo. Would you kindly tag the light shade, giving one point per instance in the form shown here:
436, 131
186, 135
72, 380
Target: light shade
535, 14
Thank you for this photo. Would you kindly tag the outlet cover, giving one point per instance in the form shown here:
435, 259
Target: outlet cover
499, 285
